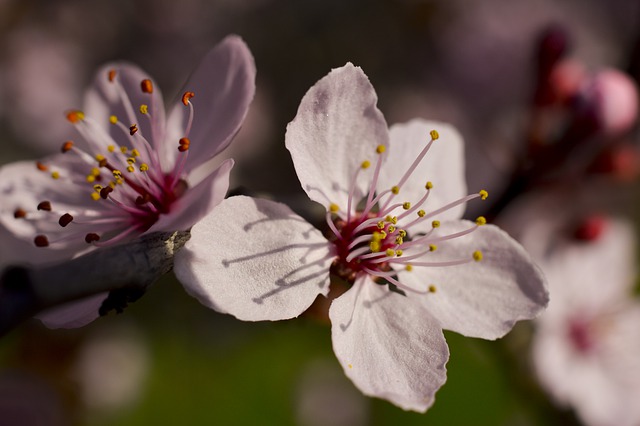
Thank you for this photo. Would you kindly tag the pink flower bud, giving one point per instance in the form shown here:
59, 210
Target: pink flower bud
616, 101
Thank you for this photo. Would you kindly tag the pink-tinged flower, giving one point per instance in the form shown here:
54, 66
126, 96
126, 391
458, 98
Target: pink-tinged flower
133, 170
393, 200
586, 345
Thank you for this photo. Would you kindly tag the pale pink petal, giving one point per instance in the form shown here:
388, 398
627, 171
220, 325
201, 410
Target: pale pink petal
479, 299
73, 314
255, 259
389, 345
443, 166
23, 186
224, 85
337, 127
123, 98
196, 202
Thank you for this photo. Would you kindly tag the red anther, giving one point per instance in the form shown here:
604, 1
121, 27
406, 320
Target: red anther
186, 97
44, 205
184, 144
146, 85
75, 116
104, 192
91, 237
143, 199
111, 75
102, 163
591, 228
41, 241
65, 219
133, 129
66, 147
41, 166
19, 213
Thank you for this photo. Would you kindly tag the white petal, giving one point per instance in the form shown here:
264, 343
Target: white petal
389, 345
337, 127
255, 259
224, 85
196, 202
443, 165
480, 299
73, 314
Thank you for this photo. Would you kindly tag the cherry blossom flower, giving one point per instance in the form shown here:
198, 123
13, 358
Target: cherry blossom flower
393, 201
133, 171
586, 346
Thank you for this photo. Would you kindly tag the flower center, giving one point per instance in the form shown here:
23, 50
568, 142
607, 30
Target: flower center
386, 235
126, 180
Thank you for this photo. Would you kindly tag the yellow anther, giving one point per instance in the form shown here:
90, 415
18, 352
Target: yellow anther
95, 171
374, 246
100, 157
399, 240
394, 219
432, 288
483, 194
433, 247
480, 220
434, 134
477, 255
55, 175
119, 181
395, 189
117, 173
365, 164
421, 213
380, 149
402, 233
429, 185
97, 187
406, 205
95, 196
111, 148
144, 167
144, 109
408, 267
112, 184
91, 178
398, 253
333, 208
387, 218
376, 236
435, 224
131, 160
135, 153
390, 253
124, 149
131, 169
391, 228
380, 225
113, 119
383, 235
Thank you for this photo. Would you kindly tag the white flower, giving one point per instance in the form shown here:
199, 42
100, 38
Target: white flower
132, 171
586, 345
394, 227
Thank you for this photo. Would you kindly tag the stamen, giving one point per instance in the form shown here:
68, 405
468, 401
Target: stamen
44, 205
133, 129
75, 116
146, 85
19, 213
66, 147
183, 144
186, 97
111, 75
41, 166
91, 237
65, 219
41, 241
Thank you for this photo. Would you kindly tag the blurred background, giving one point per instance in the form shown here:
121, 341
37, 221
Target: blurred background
483, 66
